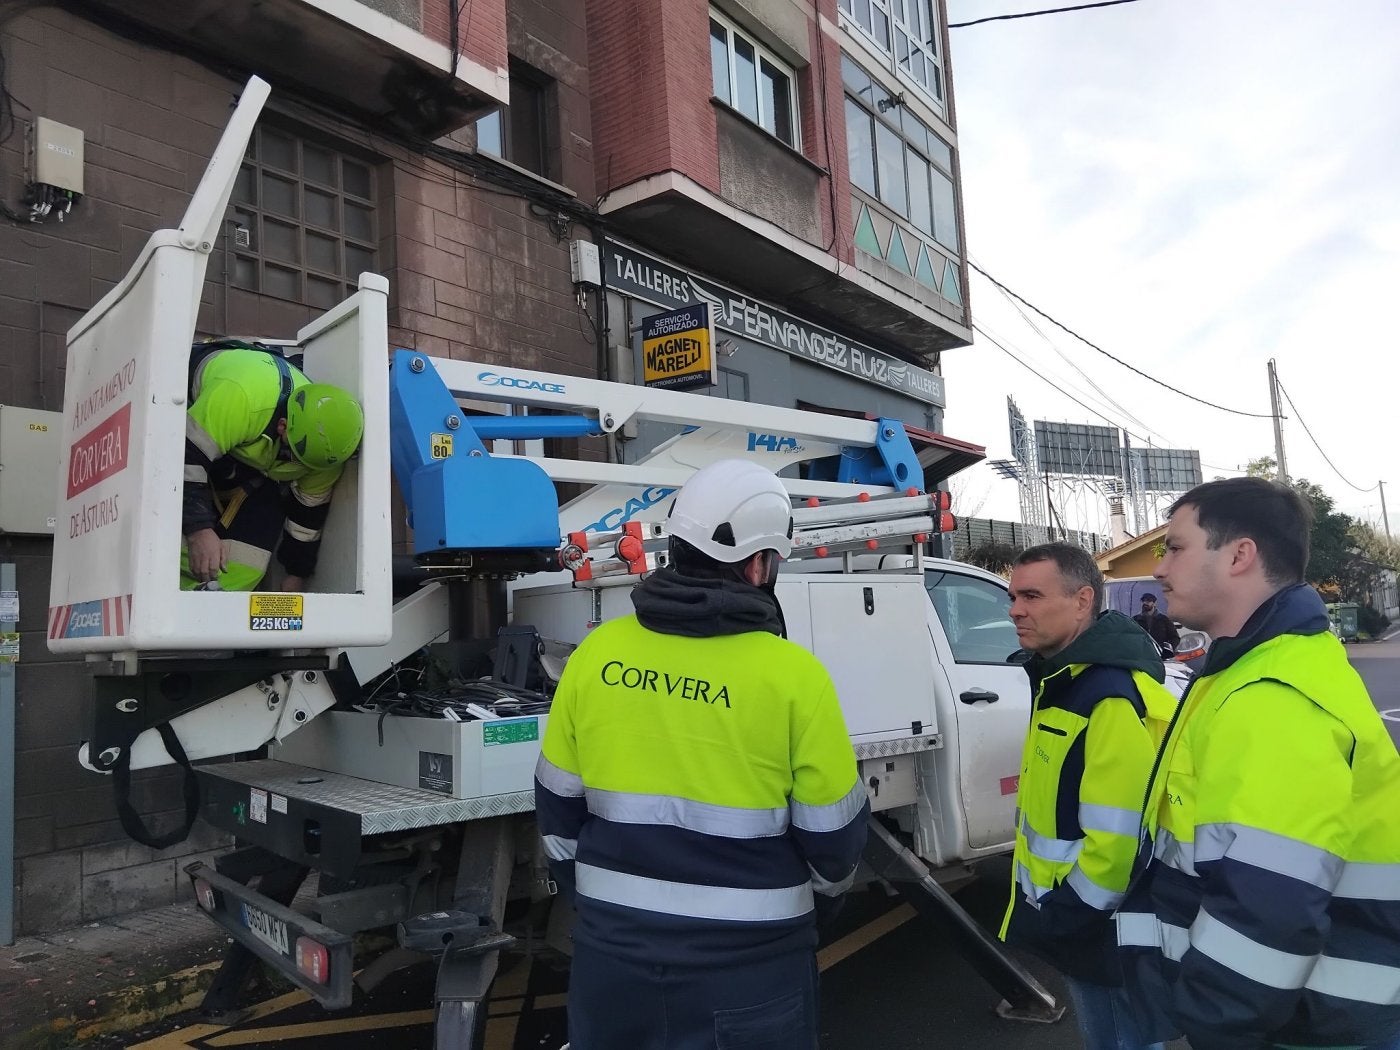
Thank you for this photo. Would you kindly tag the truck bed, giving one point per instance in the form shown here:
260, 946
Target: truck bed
319, 817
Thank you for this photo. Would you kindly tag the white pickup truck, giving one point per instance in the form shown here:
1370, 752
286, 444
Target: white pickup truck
919, 657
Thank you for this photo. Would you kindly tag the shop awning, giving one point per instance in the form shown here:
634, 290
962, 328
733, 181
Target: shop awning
942, 456
939, 455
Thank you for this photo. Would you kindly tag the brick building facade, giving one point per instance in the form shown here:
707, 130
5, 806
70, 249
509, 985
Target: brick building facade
474, 273
804, 178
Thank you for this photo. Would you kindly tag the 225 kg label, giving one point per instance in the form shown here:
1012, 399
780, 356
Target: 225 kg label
274, 623
275, 612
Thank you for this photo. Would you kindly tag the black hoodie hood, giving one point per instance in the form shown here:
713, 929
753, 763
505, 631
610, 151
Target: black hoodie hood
1112, 640
1297, 609
670, 602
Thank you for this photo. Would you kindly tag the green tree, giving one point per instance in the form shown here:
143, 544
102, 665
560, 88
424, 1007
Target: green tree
1369, 554
1331, 530
993, 556
1263, 467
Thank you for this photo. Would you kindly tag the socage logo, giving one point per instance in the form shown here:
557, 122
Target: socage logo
516, 383
619, 516
85, 620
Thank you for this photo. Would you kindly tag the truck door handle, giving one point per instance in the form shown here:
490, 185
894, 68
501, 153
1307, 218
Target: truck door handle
972, 696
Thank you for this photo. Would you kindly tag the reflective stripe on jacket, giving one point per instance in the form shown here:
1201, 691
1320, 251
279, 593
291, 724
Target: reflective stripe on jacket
1269, 907
235, 396
1093, 733
701, 789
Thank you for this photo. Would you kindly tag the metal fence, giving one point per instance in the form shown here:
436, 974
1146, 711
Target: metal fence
978, 532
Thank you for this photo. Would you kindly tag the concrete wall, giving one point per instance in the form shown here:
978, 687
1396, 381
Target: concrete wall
73, 862
474, 273
775, 184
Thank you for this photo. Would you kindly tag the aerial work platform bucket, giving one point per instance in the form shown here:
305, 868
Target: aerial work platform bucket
116, 586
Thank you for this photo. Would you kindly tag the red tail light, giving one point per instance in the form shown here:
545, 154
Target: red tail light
313, 960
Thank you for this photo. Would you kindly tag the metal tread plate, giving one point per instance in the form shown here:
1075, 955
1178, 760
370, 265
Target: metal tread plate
380, 807
901, 746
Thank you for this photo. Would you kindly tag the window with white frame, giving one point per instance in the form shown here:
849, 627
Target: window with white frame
897, 159
906, 31
752, 80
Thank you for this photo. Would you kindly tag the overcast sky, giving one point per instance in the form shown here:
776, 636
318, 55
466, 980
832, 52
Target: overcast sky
1196, 186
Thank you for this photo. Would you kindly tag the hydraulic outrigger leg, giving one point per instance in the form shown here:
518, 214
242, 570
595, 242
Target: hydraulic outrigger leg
1026, 999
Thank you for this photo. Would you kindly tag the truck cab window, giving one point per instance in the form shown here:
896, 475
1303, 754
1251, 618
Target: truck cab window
976, 616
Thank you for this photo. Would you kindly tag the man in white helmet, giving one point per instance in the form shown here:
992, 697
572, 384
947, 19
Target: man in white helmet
696, 788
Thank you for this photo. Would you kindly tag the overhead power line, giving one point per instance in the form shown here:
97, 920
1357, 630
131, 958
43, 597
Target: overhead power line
1052, 384
1115, 359
1088, 408
1116, 405
1324, 455
1036, 14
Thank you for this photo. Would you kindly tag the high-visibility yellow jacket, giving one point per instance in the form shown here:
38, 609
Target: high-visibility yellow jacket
236, 398
697, 791
1098, 713
1266, 908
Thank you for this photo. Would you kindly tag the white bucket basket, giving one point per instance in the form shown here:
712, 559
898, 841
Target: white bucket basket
116, 584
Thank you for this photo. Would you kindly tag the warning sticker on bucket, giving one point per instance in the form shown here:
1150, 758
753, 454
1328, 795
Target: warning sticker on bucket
275, 612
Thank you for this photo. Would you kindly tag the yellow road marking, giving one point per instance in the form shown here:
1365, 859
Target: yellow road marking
272, 1006
868, 934
501, 1027
178, 1040
511, 985
335, 1026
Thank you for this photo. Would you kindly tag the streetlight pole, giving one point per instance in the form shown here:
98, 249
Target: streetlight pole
1385, 515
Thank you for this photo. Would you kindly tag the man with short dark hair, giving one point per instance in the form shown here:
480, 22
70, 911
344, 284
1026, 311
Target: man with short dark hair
1264, 908
1158, 627
1099, 709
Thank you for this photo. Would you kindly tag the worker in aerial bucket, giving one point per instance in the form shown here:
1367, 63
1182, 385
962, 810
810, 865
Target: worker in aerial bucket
697, 793
264, 448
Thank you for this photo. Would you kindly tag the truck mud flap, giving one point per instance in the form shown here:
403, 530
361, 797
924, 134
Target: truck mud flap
1025, 998
277, 935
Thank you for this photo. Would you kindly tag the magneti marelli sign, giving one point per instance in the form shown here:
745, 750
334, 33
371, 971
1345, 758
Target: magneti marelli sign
635, 273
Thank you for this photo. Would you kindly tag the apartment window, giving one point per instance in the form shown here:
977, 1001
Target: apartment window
907, 32
519, 132
896, 158
753, 81
309, 216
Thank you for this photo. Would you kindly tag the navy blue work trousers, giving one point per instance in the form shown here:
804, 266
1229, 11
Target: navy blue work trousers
765, 1005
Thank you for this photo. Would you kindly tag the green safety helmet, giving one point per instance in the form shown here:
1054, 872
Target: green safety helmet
324, 425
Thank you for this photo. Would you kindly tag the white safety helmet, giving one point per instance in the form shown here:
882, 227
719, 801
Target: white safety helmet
733, 509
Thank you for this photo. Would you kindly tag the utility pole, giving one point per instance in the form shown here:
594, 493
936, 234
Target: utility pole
1278, 424
1385, 514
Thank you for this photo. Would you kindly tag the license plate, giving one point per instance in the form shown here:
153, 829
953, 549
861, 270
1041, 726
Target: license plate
271, 931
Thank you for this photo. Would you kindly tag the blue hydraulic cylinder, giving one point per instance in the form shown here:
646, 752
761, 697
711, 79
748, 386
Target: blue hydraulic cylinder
890, 461
459, 497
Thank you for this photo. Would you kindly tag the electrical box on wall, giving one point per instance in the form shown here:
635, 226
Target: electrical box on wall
29, 447
584, 264
54, 180
58, 155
